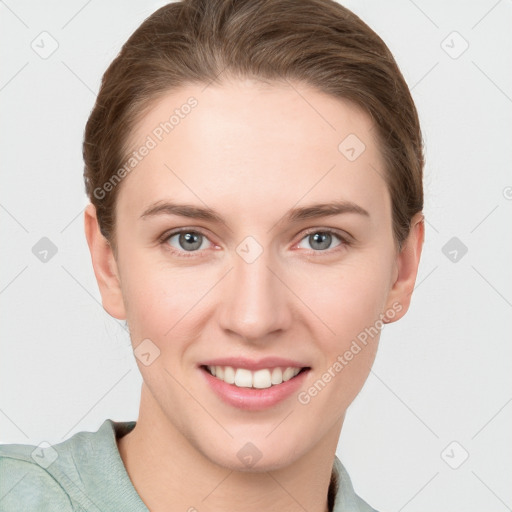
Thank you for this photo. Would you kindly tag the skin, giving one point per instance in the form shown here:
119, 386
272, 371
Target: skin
250, 151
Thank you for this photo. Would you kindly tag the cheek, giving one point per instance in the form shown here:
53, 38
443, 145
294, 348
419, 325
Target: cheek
157, 298
347, 298
349, 302
347, 351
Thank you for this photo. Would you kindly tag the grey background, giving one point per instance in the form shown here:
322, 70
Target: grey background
442, 374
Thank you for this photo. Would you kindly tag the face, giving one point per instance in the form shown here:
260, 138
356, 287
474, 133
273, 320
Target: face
256, 235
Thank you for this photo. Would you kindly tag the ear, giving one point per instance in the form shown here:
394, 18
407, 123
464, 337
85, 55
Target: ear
407, 263
105, 266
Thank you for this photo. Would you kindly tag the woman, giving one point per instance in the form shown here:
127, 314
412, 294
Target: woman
255, 176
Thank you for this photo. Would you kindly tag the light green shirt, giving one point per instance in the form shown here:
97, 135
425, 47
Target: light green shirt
86, 473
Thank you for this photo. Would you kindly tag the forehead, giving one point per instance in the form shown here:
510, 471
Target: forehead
254, 146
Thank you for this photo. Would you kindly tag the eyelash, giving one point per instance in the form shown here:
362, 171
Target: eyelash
345, 242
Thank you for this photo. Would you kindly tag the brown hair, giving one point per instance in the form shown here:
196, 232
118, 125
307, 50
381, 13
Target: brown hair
317, 42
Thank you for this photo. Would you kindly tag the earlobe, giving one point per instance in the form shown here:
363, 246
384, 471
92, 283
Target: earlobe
104, 265
407, 263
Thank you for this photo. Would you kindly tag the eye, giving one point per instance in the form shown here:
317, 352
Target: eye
320, 240
186, 241
189, 242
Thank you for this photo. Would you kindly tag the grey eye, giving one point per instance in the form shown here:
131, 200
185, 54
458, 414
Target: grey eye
187, 240
320, 240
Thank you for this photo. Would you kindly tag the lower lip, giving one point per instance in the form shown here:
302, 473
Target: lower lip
252, 399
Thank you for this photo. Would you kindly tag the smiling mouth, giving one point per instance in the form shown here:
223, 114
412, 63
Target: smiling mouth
259, 379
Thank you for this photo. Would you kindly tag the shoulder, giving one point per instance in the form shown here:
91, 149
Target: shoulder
346, 498
84, 472
25, 483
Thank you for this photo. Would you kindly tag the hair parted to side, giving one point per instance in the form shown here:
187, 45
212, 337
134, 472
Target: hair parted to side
317, 42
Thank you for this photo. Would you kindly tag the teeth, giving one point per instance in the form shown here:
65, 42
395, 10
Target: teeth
260, 379
277, 376
288, 374
229, 375
243, 378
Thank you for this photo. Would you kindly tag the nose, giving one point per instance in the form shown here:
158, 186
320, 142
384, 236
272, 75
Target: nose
256, 303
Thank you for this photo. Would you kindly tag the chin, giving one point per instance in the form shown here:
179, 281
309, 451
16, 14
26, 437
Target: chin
254, 454
259, 463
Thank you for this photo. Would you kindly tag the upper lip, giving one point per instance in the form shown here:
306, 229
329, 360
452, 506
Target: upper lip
253, 365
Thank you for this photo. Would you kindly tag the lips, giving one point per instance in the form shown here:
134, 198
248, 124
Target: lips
253, 365
253, 385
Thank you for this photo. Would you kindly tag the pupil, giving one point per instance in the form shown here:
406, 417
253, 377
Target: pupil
191, 239
324, 239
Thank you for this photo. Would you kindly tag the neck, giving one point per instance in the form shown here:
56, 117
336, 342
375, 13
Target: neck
166, 469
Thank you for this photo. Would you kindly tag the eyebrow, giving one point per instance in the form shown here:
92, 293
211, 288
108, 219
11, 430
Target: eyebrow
294, 215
